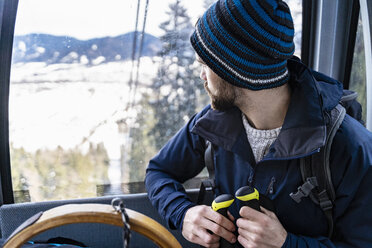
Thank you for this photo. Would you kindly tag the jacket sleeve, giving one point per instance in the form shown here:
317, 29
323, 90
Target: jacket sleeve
180, 159
351, 167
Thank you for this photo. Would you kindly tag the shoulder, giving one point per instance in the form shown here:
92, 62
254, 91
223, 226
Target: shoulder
351, 152
354, 135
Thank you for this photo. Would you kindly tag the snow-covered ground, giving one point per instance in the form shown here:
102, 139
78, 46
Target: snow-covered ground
63, 104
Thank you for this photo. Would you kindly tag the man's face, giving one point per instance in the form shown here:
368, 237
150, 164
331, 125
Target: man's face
221, 93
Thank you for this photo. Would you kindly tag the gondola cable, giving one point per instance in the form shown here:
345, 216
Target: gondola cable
130, 83
134, 46
140, 53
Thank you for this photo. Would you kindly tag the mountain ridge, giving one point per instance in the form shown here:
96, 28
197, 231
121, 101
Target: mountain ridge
65, 49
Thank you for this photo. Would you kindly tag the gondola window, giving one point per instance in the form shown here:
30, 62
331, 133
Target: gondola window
97, 88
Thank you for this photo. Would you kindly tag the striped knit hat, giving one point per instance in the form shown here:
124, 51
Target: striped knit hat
246, 42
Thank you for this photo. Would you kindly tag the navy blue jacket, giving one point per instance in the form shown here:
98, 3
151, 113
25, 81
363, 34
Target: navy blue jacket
302, 134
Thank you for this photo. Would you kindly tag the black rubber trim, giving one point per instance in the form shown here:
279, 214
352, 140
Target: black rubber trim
351, 43
308, 25
8, 11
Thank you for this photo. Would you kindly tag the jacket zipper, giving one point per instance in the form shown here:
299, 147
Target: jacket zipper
270, 189
251, 175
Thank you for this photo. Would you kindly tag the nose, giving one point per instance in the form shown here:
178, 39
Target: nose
202, 74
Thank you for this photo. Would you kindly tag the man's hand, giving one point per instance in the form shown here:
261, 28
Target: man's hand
201, 218
258, 229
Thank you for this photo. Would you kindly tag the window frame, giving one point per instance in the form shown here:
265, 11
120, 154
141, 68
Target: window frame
8, 11
366, 14
332, 56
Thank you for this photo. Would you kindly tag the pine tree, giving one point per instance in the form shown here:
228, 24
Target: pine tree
177, 85
176, 94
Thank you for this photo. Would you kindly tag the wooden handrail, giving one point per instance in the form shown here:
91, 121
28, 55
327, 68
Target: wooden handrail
95, 213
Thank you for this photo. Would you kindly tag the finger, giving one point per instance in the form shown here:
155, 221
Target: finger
244, 223
250, 213
200, 241
218, 230
220, 220
268, 213
244, 242
248, 226
205, 236
230, 216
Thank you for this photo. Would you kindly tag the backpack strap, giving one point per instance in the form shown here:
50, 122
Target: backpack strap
207, 186
352, 106
316, 173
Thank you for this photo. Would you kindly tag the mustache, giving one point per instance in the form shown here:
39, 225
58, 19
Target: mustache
222, 101
206, 87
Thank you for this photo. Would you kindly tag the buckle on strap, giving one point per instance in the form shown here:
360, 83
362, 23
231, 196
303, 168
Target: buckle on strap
208, 184
304, 190
324, 201
326, 205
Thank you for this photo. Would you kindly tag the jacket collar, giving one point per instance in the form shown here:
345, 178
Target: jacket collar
303, 131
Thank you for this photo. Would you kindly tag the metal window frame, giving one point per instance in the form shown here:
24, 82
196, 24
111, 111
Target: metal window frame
8, 11
366, 13
329, 45
308, 25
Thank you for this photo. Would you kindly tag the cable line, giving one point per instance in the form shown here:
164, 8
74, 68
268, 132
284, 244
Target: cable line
132, 86
140, 52
130, 83
134, 46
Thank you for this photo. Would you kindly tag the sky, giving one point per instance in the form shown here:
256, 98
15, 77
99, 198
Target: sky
86, 19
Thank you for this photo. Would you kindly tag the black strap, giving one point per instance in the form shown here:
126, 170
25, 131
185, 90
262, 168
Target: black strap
327, 206
209, 160
206, 192
325, 187
316, 173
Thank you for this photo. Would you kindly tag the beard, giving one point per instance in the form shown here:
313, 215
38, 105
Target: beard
225, 97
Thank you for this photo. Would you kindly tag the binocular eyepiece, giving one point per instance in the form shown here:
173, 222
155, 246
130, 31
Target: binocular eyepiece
249, 196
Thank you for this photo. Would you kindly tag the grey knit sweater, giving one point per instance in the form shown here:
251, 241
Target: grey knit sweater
260, 140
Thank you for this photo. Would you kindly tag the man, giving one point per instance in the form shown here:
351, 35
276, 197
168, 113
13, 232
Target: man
267, 111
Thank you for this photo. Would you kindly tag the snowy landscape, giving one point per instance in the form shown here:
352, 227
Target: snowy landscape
59, 104
72, 105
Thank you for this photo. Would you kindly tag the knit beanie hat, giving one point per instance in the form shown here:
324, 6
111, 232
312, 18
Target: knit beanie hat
246, 42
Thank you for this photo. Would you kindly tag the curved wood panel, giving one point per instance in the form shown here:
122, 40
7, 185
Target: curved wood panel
95, 213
